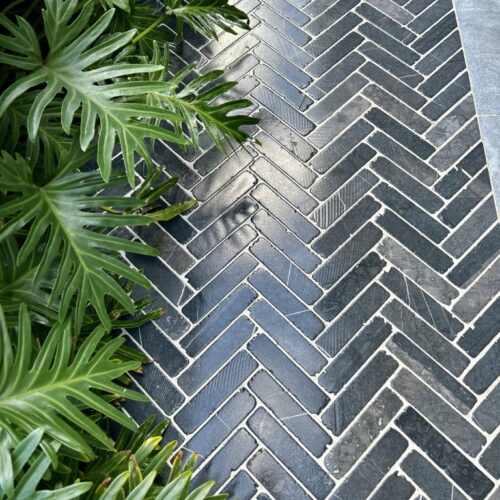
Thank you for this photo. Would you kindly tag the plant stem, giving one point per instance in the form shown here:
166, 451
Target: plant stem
150, 28
10, 6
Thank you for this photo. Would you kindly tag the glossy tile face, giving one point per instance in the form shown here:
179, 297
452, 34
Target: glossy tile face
332, 309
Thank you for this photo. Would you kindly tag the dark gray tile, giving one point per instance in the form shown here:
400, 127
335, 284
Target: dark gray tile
431, 373
353, 319
218, 288
169, 357
342, 172
215, 392
490, 459
478, 336
430, 16
296, 381
486, 414
332, 102
389, 43
429, 478
466, 200
345, 407
350, 360
295, 195
228, 459
429, 280
485, 371
343, 259
385, 23
400, 133
274, 478
220, 318
164, 278
283, 66
286, 271
335, 75
229, 194
415, 242
477, 259
241, 487
290, 11
406, 115
356, 440
287, 337
409, 163
442, 416
213, 263
333, 34
283, 110
162, 390
335, 125
283, 87
288, 451
236, 215
479, 294
340, 232
410, 212
470, 229
291, 307
340, 147
434, 344
285, 161
329, 13
457, 146
434, 35
447, 97
334, 54
286, 241
290, 414
341, 201
336, 299
224, 421
372, 469
393, 85
220, 176
282, 45
395, 486
456, 465
282, 25
216, 355
283, 134
170, 251
451, 122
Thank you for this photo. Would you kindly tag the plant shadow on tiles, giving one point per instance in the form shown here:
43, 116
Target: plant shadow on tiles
86, 88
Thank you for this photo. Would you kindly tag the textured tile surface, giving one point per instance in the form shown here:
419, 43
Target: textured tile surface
332, 310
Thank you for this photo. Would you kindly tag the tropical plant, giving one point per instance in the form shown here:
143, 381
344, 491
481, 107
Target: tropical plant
82, 82
24, 465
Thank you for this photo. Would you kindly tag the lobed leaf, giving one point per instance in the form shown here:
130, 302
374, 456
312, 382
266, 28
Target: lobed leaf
204, 16
63, 217
47, 391
69, 69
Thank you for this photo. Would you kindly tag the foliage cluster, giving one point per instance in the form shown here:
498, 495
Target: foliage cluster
82, 82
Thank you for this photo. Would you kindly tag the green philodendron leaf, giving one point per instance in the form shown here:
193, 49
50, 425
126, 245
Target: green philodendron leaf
73, 67
194, 102
51, 139
205, 16
140, 18
66, 218
24, 465
121, 4
18, 284
47, 391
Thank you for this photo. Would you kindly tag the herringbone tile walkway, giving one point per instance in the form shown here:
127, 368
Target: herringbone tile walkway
331, 305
